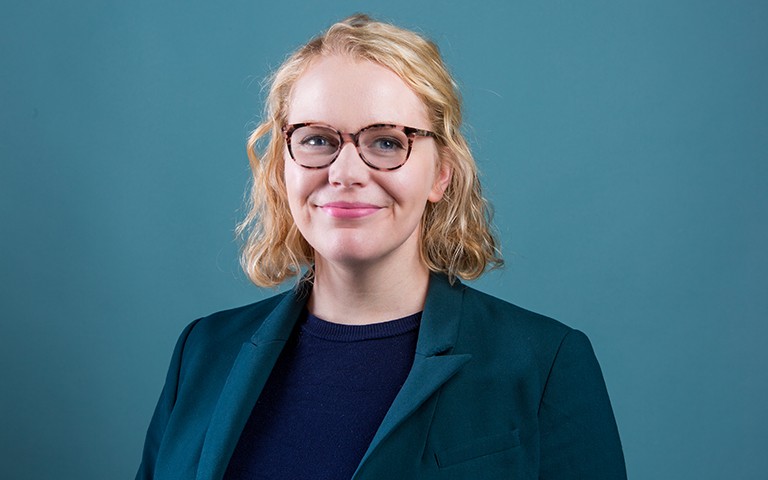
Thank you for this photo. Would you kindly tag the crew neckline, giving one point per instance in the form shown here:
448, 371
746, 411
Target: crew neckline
338, 332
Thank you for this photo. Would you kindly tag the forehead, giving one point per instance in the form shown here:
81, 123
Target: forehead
350, 94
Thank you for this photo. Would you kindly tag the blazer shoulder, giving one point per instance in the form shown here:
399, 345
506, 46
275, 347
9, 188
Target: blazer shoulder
494, 328
234, 325
497, 313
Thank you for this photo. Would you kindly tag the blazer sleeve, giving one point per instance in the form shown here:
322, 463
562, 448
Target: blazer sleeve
579, 437
163, 409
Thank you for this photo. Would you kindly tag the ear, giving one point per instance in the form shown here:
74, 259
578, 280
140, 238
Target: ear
442, 180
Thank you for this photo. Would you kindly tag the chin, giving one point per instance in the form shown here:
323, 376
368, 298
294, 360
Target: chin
344, 253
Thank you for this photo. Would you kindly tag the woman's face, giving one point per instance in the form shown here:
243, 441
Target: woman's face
348, 212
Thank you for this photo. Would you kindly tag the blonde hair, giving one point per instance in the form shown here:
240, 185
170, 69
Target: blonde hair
456, 233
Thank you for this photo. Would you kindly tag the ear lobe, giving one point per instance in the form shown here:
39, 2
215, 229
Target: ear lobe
442, 180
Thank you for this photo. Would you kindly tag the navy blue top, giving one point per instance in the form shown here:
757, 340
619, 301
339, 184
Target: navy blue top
325, 399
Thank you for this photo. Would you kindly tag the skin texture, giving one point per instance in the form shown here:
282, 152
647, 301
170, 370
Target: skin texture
362, 223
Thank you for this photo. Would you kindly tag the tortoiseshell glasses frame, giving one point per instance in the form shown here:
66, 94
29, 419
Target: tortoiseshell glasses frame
381, 146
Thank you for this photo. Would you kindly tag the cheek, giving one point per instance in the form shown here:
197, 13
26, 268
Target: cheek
300, 183
292, 178
415, 187
293, 189
410, 198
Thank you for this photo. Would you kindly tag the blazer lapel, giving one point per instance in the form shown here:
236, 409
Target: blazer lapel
246, 379
434, 364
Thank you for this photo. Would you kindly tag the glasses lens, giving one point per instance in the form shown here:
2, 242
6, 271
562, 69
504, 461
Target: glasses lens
384, 147
314, 146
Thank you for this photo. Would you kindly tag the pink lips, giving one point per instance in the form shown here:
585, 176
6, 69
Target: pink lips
349, 209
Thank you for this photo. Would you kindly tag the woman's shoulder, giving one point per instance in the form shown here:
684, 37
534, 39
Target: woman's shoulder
491, 325
232, 326
498, 321
483, 310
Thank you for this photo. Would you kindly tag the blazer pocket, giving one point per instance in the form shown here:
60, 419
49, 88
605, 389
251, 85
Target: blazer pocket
478, 448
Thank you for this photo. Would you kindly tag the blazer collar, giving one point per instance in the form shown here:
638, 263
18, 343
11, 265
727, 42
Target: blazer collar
434, 364
246, 379
441, 318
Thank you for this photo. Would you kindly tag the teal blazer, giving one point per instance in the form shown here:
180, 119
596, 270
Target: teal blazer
495, 391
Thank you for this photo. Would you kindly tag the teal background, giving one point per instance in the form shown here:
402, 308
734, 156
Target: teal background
623, 144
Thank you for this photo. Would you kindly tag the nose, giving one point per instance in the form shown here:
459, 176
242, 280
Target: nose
348, 169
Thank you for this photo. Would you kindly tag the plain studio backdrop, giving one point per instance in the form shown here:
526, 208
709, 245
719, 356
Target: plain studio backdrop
623, 144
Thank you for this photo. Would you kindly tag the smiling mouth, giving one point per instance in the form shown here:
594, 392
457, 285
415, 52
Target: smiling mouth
349, 209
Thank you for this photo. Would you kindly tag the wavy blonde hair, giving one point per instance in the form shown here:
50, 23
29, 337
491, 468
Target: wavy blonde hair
456, 234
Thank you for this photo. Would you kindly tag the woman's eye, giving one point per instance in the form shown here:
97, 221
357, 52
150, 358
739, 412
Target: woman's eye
316, 141
387, 143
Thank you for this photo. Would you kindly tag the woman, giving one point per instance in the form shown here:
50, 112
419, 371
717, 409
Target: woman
379, 363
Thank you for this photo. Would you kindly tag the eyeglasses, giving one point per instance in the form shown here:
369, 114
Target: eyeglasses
381, 146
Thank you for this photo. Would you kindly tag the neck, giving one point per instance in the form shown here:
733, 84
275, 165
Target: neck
358, 295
